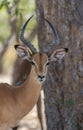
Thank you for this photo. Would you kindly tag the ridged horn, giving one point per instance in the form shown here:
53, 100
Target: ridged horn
56, 38
25, 41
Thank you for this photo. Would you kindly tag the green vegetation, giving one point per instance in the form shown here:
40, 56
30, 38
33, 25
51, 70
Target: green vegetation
19, 10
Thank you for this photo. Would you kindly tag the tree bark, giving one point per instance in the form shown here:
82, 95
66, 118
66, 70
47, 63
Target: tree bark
64, 85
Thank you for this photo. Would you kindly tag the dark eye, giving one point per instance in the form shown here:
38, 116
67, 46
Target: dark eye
32, 63
47, 63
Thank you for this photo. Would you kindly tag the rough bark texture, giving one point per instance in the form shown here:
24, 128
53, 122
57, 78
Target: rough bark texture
64, 85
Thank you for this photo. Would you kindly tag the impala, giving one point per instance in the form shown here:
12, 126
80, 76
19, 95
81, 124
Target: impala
16, 102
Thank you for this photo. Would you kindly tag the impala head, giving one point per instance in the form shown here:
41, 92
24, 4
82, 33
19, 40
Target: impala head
40, 61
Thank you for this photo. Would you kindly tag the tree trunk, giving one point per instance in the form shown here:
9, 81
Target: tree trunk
64, 85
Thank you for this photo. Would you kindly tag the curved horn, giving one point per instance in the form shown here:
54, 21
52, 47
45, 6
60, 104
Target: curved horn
56, 37
26, 42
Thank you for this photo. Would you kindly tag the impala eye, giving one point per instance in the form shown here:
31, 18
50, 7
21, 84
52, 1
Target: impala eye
32, 62
48, 63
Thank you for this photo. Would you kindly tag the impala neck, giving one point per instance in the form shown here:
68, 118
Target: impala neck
31, 80
27, 93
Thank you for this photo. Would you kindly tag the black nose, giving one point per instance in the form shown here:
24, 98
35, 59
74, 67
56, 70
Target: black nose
41, 77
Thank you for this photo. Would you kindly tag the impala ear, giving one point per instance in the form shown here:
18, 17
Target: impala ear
22, 52
58, 54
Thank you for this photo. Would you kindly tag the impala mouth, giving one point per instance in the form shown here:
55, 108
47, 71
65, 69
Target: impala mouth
41, 78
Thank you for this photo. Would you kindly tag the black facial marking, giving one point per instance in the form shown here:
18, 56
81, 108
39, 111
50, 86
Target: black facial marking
33, 63
48, 63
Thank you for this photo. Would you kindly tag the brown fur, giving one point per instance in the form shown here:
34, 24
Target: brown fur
16, 102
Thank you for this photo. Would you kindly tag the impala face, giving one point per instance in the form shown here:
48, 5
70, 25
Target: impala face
40, 61
40, 64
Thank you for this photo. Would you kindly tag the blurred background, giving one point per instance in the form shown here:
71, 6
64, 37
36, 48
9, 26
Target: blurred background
12, 16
